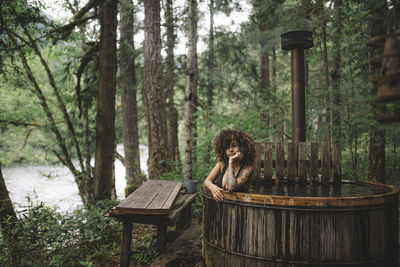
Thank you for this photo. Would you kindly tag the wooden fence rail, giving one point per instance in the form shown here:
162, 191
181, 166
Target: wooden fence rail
312, 161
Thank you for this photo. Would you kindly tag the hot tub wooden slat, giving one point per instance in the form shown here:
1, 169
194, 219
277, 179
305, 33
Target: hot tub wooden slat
314, 166
326, 162
303, 162
290, 166
238, 234
257, 160
376, 218
337, 162
268, 148
291, 161
271, 248
280, 161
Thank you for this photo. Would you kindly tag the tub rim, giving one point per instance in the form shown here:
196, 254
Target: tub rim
301, 201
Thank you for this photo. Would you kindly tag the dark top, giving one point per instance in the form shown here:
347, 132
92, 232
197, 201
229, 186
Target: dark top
218, 181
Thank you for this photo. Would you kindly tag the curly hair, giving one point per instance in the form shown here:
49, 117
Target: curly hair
224, 139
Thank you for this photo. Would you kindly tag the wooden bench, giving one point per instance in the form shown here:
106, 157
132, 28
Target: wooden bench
155, 202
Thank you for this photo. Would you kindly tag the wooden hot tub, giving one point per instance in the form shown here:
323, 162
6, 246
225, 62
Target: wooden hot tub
303, 226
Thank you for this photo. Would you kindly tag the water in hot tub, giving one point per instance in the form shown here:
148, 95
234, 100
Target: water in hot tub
346, 189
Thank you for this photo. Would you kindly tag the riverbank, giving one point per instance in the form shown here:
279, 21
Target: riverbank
54, 185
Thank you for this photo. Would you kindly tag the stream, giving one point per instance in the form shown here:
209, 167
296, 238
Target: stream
54, 185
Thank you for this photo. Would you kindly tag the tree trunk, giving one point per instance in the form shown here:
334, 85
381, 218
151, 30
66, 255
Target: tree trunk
307, 11
6, 207
335, 75
155, 107
85, 103
194, 82
376, 153
172, 112
105, 117
7, 218
210, 84
191, 88
265, 81
326, 74
264, 73
273, 76
130, 131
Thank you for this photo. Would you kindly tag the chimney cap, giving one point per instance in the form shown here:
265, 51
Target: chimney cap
296, 39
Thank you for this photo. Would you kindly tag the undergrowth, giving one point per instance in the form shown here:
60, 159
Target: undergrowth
42, 236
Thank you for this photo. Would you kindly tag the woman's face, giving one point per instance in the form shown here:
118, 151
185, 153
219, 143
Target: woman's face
232, 149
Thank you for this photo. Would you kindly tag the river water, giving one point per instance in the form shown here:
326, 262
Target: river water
54, 186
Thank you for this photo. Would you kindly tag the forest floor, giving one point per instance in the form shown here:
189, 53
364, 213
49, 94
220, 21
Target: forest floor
183, 249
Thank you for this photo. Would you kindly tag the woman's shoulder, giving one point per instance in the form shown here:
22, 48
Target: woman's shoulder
221, 165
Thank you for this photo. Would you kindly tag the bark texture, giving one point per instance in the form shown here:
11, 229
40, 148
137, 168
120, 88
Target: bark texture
335, 74
264, 71
155, 106
105, 118
130, 131
172, 112
6, 208
326, 73
191, 88
7, 218
210, 84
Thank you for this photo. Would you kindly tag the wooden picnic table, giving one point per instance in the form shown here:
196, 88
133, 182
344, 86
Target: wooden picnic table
156, 202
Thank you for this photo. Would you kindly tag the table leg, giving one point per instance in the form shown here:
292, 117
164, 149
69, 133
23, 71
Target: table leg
126, 243
185, 218
161, 235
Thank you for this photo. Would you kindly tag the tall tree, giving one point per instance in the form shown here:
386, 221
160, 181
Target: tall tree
154, 99
130, 132
263, 11
321, 8
264, 63
105, 117
306, 11
335, 74
172, 111
85, 98
376, 154
31, 35
265, 84
191, 87
210, 72
6, 207
265, 17
7, 215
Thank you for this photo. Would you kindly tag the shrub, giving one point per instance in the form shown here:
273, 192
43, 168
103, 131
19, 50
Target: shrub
45, 237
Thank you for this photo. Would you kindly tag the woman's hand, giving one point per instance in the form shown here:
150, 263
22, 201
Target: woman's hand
216, 193
234, 160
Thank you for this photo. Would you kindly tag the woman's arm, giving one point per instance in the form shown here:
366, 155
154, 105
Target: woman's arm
232, 183
209, 183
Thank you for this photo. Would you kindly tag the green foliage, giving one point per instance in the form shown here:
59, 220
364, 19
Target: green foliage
44, 237
86, 237
144, 249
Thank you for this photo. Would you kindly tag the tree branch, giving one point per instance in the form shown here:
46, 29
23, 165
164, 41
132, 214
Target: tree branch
85, 60
79, 18
26, 138
38, 92
67, 29
20, 123
59, 98
120, 157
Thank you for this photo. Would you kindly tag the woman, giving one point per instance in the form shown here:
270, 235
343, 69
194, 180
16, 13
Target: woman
234, 151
